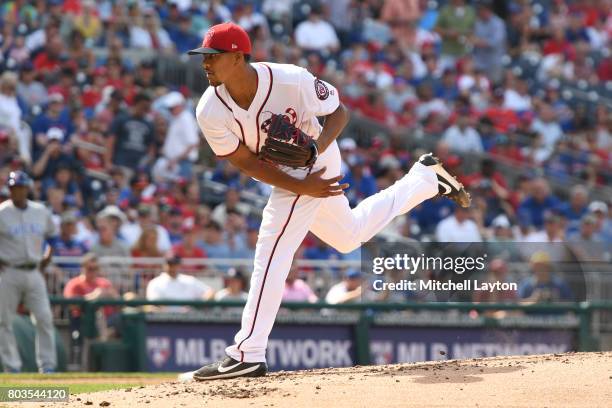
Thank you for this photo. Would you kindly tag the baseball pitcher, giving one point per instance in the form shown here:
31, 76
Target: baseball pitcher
262, 117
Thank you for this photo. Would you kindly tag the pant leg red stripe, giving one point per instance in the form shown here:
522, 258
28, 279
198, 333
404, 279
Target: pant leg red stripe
263, 284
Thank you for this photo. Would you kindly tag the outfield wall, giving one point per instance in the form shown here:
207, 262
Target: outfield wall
319, 335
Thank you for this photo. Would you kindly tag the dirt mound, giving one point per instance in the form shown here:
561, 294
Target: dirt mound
560, 380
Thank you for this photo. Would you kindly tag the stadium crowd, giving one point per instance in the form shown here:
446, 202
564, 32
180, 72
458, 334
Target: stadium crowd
115, 149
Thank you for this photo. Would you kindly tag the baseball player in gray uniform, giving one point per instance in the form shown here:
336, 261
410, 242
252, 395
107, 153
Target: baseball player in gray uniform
24, 227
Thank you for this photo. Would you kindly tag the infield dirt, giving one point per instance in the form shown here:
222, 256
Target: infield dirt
560, 380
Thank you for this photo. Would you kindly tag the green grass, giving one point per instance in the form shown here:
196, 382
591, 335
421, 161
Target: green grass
115, 381
69, 376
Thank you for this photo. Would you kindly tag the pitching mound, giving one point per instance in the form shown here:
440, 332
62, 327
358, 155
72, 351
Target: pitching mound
560, 380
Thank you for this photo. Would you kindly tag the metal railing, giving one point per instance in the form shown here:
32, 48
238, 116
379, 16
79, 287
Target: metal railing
131, 275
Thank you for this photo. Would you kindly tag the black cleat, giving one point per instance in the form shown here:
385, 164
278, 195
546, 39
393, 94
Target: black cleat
230, 368
447, 184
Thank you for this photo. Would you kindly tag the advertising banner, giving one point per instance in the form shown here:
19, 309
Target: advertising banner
176, 346
187, 346
411, 344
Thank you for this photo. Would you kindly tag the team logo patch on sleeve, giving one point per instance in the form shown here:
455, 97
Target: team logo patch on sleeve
321, 89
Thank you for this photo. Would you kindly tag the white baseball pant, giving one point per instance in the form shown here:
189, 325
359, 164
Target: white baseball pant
287, 218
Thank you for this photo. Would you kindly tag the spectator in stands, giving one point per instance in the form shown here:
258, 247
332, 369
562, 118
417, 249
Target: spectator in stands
10, 111
401, 16
488, 134
53, 155
497, 272
8, 146
490, 186
603, 226
56, 115
316, 34
213, 242
234, 287
446, 87
31, 90
458, 228
247, 251
232, 203
502, 229
146, 246
547, 126
130, 143
488, 177
64, 179
362, 183
349, 290
538, 202
111, 105
131, 232
89, 285
543, 286
81, 55
575, 209
235, 231
174, 225
172, 285
147, 33
182, 35
250, 19
65, 245
552, 232
226, 173
188, 247
48, 62
399, 95
88, 22
431, 212
587, 232
558, 44
146, 77
320, 251
115, 217
455, 24
182, 140
108, 243
516, 95
394, 296
296, 288
462, 137
489, 41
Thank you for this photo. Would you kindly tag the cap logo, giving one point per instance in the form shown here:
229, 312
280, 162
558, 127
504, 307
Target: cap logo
234, 46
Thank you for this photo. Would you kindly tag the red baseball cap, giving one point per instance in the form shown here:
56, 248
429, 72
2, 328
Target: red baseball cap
224, 37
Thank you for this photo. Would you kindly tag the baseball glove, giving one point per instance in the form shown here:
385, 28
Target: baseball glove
287, 145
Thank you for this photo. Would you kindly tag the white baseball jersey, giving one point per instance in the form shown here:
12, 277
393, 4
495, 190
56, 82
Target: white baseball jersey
281, 88
296, 93
23, 232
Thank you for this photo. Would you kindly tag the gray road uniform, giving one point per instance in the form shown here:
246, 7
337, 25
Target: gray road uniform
22, 237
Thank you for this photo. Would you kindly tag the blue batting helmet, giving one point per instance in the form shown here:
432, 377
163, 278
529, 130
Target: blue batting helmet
19, 178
